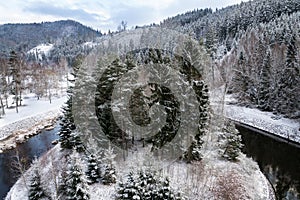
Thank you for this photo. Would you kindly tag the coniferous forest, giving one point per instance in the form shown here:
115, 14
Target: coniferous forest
145, 109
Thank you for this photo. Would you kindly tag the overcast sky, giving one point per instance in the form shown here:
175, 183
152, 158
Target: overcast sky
101, 14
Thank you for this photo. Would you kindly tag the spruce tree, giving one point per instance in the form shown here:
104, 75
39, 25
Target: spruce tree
15, 70
233, 143
76, 142
67, 126
288, 102
165, 191
193, 153
128, 190
76, 182
109, 175
93, 171
36, 190
109, 170
146, 185
68, 138
264, 86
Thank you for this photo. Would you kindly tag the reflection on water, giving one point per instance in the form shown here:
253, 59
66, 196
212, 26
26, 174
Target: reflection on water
280, 162
34, 147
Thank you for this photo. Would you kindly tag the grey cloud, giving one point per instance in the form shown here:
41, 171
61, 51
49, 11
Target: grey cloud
133, 15
48, 9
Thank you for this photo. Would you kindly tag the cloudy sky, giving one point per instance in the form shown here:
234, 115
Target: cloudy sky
101, 14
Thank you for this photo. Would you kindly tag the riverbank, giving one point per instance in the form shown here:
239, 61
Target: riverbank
265, 121
276, 125
35, 116
20, 131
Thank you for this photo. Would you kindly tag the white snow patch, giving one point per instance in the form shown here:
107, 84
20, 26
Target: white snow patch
41, 49
90, 44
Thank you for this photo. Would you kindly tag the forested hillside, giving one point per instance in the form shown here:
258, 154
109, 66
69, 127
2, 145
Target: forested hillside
254, 47
26, 36
66, 38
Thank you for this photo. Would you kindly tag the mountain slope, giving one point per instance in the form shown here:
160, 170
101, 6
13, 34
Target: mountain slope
23, 37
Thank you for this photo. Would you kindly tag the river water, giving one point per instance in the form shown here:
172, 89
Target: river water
34, 147
279, 161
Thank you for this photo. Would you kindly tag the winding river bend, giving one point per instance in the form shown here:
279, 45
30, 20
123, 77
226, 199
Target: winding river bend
34, 147
280, 162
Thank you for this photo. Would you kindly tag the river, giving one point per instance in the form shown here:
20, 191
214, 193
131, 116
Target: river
279, 161
34, 147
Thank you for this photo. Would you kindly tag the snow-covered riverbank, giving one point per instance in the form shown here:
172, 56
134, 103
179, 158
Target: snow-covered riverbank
266, 121
33, 117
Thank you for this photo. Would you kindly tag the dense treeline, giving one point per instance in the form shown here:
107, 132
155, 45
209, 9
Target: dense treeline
255, 48
266, 70
227, 22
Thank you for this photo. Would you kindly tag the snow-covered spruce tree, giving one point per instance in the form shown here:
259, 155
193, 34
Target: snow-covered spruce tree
109, 170
128, 190
165, 191
233, 143
146, 185
62, 186
93, 171
264, 87
76, 142
288, 88
68, 137
67, 125
14, 64
109, 175
76, 182
36, 190
193, 153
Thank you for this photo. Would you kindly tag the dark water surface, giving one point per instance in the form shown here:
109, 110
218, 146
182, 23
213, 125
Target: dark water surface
34, 147
279, 161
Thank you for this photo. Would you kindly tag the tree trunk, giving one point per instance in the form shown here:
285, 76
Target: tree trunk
6, 100
20, 98
16, 99
2, 105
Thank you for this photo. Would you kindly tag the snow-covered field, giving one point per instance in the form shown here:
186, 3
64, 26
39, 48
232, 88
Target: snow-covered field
266, 121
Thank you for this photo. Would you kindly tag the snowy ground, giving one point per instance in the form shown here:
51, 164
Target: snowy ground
267, 121
212, 178
32, 117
